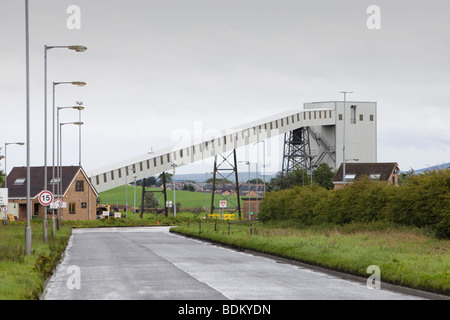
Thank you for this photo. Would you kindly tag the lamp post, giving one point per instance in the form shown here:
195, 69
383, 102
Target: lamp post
343, 139
76, 48
264, 164
75, 83
174, 189
248, 163
59, 162
6, 172
27, 71
80, 104
60, 157
54, 125
134, 203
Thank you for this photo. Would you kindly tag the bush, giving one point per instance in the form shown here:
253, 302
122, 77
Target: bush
422, 201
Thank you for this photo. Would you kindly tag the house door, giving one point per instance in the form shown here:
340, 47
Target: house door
36, 210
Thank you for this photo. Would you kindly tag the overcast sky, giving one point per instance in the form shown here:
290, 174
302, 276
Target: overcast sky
157, 68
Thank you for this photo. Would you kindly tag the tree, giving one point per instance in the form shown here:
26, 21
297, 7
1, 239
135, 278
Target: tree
404, 176
149, 200
168, 179
323, 175
290, 179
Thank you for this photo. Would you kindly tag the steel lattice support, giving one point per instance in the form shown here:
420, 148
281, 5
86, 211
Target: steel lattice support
225, 169
161, 193
297, 150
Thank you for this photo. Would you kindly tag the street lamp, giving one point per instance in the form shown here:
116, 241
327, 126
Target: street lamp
174, 188
54, 125
76, 48
248, 163
60, 157
343, 139
264, 164
27, 80
6, 172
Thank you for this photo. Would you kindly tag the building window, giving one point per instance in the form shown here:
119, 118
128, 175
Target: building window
83, 205
350, 176
371, 117
353, 114
55, 180
79, 185
340, 116
72, 208
19, 181
361, 117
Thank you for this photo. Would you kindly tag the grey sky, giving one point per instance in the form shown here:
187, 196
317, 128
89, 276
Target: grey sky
153, 67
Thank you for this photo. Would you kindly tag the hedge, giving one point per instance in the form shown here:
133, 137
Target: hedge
422, 201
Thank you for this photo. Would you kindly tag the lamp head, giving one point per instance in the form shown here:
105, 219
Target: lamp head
78, 48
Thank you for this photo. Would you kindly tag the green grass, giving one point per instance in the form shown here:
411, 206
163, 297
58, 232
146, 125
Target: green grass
188, 199
22, 276
405, 256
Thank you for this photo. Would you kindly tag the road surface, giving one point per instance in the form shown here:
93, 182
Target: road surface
153, 264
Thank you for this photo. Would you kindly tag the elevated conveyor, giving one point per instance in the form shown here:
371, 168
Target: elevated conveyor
147, 165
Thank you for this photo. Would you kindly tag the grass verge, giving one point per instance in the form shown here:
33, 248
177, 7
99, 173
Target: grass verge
406, 256
22, 277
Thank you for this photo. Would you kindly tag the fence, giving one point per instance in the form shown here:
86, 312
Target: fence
218, 218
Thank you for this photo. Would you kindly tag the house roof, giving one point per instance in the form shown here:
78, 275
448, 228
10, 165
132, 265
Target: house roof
383, 169
19, 190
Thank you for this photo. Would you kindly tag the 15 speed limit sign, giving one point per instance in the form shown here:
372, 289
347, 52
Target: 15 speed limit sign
45, 198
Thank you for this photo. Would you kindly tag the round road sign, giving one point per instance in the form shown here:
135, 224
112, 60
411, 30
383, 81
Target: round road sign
58, 203
5, 209
45, 197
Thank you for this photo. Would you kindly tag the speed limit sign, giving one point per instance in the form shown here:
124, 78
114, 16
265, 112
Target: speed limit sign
45, 197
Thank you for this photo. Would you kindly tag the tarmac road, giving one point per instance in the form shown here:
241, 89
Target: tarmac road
152, 264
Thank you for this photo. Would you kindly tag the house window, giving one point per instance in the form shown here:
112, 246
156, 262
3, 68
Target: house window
72, 208
340, 116
350, 176
55, 180
79, 185
83, 205
361, 117
375, 176
19, 181
353, 114
371, 117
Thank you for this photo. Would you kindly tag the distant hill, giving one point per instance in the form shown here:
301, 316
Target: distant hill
437, 167
243, 176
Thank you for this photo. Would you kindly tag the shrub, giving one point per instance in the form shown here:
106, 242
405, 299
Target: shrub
422, 201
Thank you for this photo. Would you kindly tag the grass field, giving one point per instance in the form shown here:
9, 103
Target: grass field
188, 199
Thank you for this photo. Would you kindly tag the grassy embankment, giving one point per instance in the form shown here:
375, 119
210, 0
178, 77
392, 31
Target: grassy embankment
405, 255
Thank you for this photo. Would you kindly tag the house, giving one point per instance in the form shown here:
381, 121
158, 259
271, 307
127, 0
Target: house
377, 171
79, 195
